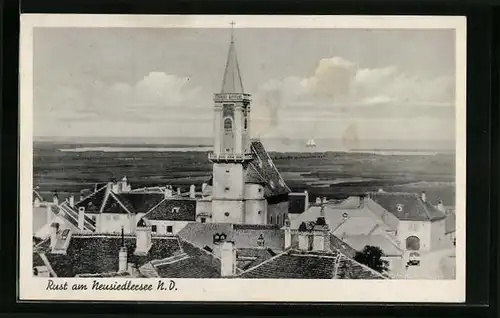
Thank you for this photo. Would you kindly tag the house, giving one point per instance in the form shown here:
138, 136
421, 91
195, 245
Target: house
420, 225
110, 208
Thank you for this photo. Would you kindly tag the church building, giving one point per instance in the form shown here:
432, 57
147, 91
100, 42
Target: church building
246, 187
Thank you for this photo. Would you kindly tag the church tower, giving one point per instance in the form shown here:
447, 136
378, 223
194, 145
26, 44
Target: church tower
231, 153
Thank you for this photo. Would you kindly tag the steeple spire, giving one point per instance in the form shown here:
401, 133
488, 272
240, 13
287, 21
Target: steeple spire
232, 82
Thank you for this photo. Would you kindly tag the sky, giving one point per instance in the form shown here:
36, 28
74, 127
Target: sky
305, 83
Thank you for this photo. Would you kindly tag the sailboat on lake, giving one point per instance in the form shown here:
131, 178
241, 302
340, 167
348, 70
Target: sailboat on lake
311, 143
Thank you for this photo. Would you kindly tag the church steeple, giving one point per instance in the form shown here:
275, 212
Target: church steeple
232, 82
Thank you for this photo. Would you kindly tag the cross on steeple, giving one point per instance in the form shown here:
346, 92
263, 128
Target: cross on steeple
232, 30
232, 82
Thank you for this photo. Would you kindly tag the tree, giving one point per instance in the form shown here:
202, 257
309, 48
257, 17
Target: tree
371, 256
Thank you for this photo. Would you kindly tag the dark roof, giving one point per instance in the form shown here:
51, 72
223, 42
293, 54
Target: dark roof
197, 263
295, 264
37, 260
336, 243
166, 210
411, 207
137, 202
93, 202
243, 236
450, 223
262, 170
114, 205
296, 203
98, 254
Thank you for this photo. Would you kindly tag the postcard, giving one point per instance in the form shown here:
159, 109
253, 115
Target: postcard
242, 158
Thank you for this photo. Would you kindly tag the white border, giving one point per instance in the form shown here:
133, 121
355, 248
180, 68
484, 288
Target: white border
31, 288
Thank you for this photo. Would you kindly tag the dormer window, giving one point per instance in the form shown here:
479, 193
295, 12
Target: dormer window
399, 208
175, 210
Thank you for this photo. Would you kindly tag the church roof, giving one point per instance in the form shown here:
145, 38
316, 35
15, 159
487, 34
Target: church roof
262, 170
232, 82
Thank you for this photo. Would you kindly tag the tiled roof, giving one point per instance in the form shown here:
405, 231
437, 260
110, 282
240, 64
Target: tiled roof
358, 242
243, 236
93, 202
99, 254
366, 225
37, 260
174, 210
296, 203
137, 202
114, 205
197, 264
450, 223
348, 268
343, 247
250, 257
295, 264
407, 206
262, 170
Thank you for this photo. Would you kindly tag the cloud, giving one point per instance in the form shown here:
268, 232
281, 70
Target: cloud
338, 85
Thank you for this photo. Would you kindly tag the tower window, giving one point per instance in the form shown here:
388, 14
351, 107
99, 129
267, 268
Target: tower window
228, 124
226, 188
226, 214
169, 229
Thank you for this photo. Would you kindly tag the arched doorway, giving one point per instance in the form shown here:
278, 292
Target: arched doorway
412, 243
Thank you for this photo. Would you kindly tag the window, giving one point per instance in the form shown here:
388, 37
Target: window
227, 170
260, 190
278, 219
81, 209
400, 208
226, 214
175, 210
272, 219
169, 229
258, 213
246, 123
226, 188
228, 124
116, 217
203, 220
153, 228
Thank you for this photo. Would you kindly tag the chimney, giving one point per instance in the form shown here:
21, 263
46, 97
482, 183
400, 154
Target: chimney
178, 190
143, 238
116, 186
324, 200
321, 237
122, 256
81, 196
81, 217
192, 192
49, 213
440, 206
303, 237
306, 200
54, 229
361, 201
168, 192
72, 201
288, 235
228, 259
318, 200
36, 203
203, 187
423, 196
55, 198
